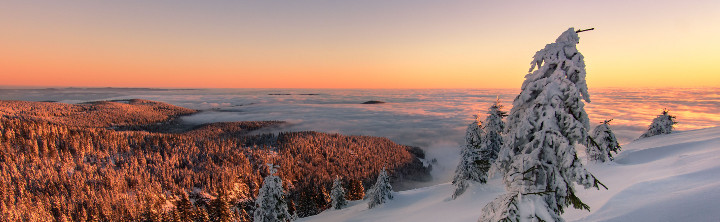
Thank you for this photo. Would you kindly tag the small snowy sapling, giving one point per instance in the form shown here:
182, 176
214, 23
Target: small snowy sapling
662, 124
601, 143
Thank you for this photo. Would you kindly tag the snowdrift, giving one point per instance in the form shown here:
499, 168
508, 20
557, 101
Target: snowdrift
674, 177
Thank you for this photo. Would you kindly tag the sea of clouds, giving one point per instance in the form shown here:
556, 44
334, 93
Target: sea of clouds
433, 119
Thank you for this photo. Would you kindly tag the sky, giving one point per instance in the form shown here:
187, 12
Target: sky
350, 44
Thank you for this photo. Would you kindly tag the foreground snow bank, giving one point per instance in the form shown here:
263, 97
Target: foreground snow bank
674, 177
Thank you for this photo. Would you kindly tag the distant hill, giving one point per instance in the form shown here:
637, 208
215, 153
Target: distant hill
107, 160
373, 102
131, 112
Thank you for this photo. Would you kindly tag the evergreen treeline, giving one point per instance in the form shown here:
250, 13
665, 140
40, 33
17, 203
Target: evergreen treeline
123, 113
68, 168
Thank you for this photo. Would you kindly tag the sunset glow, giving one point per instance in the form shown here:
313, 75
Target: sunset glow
366, 44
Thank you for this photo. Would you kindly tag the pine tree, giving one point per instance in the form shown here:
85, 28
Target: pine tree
270, 205
483, 143
381, 192
322, 198
492, 135
93, 214
246, 208
244, 216
184, 208
312, 198
356, 190
220, 209
545, 125
149, 214
307, 202
201, 215
337, 194
662, 124
601, 143
467, 169
473, 134
463, 171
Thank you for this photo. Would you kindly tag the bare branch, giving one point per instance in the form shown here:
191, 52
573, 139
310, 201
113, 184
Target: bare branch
583, 30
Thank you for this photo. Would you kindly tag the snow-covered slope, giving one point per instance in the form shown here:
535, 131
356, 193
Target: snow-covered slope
673, 177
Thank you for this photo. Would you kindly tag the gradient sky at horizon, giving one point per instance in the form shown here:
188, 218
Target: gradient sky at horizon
350, 44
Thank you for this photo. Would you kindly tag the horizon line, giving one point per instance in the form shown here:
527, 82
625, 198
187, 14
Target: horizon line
296, 88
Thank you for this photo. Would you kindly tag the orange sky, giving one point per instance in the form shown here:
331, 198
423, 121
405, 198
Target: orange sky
340, 44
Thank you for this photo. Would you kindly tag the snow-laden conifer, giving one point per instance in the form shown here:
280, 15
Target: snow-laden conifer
662, 124
492, 140
602, 142
381, 192
482, 145
337, 194
467, 169
270, 205
546, 124
473, 134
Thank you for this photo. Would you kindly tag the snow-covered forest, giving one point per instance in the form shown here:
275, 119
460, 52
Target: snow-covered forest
64, 162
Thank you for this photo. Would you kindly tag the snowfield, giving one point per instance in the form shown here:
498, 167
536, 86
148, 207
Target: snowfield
674, 177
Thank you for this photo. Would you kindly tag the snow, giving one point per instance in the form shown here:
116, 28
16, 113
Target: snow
423, 204
672, 177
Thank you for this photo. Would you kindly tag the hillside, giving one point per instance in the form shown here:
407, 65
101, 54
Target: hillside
67, 162
121, 113
663, 178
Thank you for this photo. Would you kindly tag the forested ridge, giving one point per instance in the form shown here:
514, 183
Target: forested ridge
62, 162
133, 112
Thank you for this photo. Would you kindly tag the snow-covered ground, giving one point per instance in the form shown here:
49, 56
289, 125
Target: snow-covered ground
673, 177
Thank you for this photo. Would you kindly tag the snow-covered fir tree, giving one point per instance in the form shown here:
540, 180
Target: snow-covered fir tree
483, 143
601, 143
467, 169
337, 194
381, 192
546, 124
270, 205
473, 134
662, 124
492, 140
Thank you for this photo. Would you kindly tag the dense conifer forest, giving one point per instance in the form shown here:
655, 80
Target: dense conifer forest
109, 161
